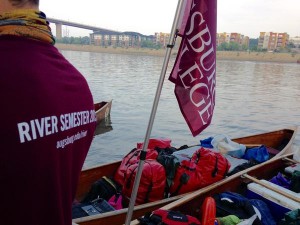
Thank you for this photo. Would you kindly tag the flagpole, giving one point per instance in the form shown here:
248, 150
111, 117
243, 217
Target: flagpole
170, 45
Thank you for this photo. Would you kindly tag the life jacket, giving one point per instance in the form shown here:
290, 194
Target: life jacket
208, 211
204, 168
152, 183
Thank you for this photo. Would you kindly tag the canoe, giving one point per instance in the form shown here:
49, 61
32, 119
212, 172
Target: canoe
102, 110
280, 141
104, 126
191, 204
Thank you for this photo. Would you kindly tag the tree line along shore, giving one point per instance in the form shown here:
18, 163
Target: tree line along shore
221, 55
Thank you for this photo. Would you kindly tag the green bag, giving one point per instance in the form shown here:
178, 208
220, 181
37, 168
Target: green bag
291, 218
295, 181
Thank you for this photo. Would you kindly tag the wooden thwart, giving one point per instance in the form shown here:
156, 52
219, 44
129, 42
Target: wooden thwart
293, 197
281, 140
252, 145
291, 160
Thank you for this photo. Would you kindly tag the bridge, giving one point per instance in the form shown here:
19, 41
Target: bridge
59, 23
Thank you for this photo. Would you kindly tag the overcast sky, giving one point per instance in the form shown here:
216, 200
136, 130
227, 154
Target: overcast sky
247, 17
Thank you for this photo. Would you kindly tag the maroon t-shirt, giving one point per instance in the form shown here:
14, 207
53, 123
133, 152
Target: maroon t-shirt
47, 125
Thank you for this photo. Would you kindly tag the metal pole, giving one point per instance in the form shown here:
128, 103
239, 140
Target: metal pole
153, 112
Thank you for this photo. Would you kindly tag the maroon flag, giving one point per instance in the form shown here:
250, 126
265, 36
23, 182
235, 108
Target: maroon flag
194, 71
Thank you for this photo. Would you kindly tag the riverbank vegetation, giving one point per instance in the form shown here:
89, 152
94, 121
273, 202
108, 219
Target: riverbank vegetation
232, 46
225, 51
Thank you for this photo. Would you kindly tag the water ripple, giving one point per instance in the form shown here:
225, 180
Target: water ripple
251, 97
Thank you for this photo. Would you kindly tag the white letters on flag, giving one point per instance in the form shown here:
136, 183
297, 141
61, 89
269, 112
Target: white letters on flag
194, 72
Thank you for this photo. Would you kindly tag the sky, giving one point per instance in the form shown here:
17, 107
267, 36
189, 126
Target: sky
248, 17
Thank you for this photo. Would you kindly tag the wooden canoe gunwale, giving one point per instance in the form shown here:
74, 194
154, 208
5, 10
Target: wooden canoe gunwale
232, 183
90, 175
115, 217
273, 139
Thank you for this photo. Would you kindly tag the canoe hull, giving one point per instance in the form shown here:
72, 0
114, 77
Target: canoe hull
190, 204
102, 110
280, 140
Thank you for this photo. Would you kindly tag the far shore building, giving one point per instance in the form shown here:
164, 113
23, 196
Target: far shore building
162, 39
240, 39
295, 41
127, 39
135, 39
273, 41
119, 39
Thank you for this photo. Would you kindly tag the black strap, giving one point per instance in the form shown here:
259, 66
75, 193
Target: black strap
227, 168
143, 155
198, 157
173, 41
130, 178
184, 178
216, 169
148, 193
135, 153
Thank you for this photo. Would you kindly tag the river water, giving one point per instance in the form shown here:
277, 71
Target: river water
251, 97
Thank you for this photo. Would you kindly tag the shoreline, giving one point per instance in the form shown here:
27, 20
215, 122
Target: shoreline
221, 55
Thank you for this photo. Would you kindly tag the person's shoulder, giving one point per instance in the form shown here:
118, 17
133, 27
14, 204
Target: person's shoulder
19, 42
24, 47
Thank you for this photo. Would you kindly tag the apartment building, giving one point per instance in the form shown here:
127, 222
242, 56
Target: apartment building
282, 40
238, 38
134, 39
272, 41
223, 38
162, 39
119, 39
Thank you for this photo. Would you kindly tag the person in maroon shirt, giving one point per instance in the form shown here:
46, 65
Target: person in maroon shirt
47, 120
